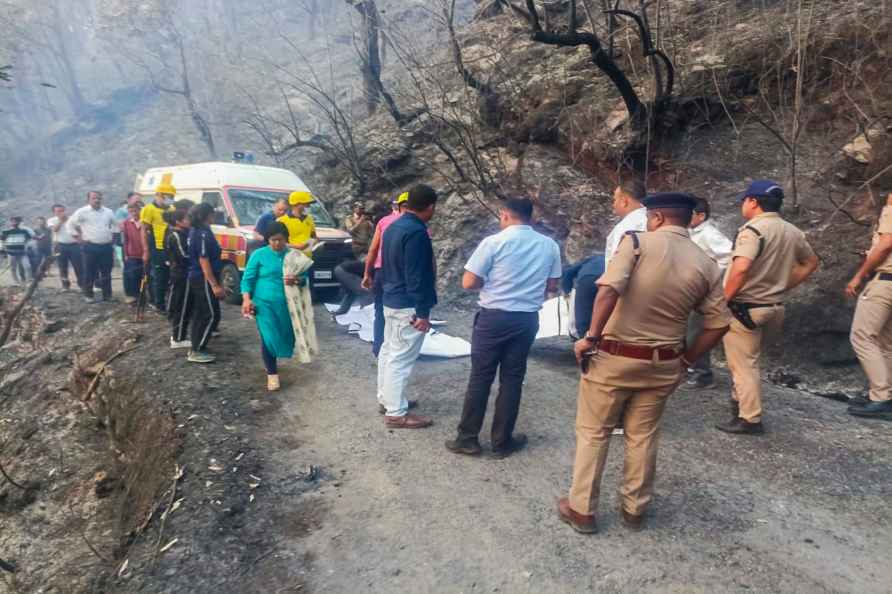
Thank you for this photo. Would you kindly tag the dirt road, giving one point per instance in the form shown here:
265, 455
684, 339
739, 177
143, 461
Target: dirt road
802, 509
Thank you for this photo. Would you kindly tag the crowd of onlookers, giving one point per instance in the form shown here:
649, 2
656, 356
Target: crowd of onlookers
169, 258
26, 247
88, 243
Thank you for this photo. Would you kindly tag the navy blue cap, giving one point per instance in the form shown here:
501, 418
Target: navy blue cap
670, 200
762, 188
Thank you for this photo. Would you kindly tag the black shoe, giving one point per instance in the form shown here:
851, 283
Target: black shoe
859, 401
468, 447
517, 442
873, 410
382, 410
740, 427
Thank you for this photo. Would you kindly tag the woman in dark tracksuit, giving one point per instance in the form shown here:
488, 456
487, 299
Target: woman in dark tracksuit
176, 247
205, 290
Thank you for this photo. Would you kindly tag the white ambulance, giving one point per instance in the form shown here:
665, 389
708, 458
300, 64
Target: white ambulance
240, 193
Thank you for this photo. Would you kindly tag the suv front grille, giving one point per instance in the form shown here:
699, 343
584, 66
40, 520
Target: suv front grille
332, 254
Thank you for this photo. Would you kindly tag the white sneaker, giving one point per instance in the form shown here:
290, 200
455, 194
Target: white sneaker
180, 344
200, 357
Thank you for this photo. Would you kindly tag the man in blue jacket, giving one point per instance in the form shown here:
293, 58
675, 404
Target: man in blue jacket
409, 293
583, 277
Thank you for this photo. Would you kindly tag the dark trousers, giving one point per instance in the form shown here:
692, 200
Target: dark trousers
132, 276
272, 367
703, 365
349, 274
178, 308
203, 312
586, 291
378, 289
160, 277
70, 253
19, 270
501, 341
36, 258
98, 259
218, 315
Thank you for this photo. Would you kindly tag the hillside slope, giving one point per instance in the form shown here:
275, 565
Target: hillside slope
559, 127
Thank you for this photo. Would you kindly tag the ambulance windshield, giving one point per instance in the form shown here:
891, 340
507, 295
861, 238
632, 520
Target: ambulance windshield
250, 204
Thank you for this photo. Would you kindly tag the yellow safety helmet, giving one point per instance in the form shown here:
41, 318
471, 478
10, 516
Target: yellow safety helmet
404, 197
166, 188
166, 185
300, 197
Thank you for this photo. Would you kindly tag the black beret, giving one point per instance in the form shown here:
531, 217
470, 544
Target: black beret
670, 200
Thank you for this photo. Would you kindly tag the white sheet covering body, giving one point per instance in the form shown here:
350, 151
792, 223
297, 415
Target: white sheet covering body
360, 320
555, 318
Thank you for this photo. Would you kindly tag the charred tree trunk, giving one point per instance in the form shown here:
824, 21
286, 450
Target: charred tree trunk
198, 118
370, 60
62, 56
643, 118
491, 104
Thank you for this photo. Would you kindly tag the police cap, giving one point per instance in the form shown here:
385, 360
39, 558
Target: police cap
762, 188
669, 200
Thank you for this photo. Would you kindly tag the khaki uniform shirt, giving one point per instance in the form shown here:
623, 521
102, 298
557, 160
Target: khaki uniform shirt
783, 246
361, 231
671, 278
884, 226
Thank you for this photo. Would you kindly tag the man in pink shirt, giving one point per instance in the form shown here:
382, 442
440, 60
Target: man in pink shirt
371, 280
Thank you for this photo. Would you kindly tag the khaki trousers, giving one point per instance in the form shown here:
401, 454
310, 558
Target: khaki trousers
635, 391
743, 347
872, 337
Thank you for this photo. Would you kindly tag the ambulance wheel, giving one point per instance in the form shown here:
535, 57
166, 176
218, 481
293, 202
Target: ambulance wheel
231, 280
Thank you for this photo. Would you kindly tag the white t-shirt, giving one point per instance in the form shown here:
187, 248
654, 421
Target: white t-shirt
97, 225
712, 241
634, 221
63, 235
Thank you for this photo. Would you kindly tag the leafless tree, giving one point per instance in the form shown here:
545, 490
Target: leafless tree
168, 68
44, 33
370, 58
491, 102
785, 101
644, 116
281, 131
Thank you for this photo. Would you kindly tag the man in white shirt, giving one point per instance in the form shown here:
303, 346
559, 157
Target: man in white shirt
514, 270
67, 249
94, 225
718, 247
633, 216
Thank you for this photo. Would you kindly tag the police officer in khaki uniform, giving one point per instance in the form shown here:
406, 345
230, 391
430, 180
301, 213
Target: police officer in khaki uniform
872, 327
633, 356
770, 257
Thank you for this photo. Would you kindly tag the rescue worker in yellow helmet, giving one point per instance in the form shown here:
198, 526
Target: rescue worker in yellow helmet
154, 227
300, 224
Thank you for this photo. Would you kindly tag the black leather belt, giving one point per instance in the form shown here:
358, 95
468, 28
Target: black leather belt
886, 276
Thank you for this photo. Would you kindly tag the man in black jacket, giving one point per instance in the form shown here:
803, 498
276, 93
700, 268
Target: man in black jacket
409, 293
